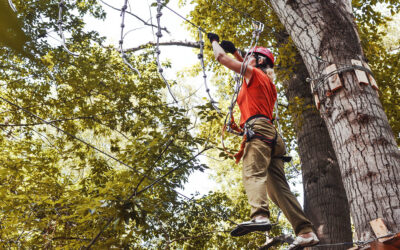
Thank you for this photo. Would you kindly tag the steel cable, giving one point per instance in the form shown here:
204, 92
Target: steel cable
158, 52
201, 57
60, 30
10, 2
121, 42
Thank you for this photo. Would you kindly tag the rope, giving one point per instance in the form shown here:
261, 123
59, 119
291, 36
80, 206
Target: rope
121, 41
201, 57
158, 52
60, 30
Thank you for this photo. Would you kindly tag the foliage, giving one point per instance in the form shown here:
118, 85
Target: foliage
58, 192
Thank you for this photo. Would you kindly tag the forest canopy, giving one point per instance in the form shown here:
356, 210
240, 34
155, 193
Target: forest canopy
92, 153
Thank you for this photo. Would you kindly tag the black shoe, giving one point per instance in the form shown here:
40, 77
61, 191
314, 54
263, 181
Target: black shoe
251, 226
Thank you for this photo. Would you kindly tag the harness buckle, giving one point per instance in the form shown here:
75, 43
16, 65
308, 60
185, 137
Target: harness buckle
249, 133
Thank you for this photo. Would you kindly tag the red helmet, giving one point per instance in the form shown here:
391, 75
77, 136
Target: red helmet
264, 51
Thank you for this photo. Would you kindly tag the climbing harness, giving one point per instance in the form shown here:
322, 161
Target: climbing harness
121, 41
12, 5
249, 134
158, 52
60, 30
201, 57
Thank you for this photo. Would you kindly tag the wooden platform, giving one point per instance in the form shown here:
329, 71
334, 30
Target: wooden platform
392, 244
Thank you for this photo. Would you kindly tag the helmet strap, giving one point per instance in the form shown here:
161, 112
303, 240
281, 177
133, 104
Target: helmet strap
260, 65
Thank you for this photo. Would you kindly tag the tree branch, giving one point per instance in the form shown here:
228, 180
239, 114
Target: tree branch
70, 238
170, 43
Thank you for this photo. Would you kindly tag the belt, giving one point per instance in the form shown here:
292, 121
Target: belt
259, 116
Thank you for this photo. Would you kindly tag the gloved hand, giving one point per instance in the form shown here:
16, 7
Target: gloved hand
228, 46
213, 37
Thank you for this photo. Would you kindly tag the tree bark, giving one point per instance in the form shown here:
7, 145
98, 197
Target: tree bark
325, 201
363, 141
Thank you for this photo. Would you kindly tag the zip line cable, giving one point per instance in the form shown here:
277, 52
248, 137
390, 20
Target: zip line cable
158, 51
121, 42
60, 30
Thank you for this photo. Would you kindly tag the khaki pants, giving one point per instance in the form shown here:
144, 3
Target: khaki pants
264, 174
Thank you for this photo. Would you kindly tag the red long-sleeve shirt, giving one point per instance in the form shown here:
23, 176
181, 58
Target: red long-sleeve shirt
258, 97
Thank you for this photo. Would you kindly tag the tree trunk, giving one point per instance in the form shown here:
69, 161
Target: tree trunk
363, 141
325, 201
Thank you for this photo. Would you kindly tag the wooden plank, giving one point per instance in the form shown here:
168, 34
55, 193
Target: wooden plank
333, 81
391, 244
317, 102
312, 86
371, 78
361, 75
380, 229
376, 245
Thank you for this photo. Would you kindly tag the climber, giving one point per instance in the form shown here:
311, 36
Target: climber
263, 165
